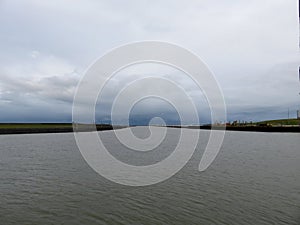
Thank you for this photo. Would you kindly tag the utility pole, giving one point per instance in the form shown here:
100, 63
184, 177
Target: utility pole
288, 121
298, 111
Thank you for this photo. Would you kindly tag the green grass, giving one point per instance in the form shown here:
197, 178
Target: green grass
280, 122
34, 125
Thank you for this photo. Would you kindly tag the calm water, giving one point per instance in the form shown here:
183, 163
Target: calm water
254, 180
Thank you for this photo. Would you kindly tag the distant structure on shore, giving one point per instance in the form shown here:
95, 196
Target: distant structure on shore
298, 111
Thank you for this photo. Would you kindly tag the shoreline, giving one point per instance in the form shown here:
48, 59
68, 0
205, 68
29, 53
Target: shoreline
68, 128
266, 129
41, 128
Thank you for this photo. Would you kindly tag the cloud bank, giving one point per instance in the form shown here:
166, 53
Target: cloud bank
251, 46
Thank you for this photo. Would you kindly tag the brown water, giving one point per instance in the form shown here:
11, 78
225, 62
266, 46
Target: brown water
254, 180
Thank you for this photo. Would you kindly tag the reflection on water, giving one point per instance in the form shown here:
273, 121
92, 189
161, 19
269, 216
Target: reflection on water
254, 180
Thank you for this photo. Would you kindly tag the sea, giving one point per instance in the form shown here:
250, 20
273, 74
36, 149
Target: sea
255, 179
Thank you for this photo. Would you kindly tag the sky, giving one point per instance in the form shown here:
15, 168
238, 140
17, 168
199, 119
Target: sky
250, 46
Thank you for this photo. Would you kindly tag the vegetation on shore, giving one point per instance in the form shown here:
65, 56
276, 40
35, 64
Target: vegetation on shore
34, 125
280, 122
23, 128
27, 128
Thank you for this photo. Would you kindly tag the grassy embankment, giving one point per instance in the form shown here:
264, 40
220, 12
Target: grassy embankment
34, 125
283, 125
26, 128
281, 122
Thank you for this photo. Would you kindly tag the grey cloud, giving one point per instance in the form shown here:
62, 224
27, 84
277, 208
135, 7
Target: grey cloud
59, 88
251, 46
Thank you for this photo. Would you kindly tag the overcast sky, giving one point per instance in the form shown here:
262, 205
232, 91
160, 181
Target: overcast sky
250, 46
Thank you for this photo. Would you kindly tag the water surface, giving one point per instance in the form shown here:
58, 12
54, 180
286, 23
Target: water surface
254, 180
